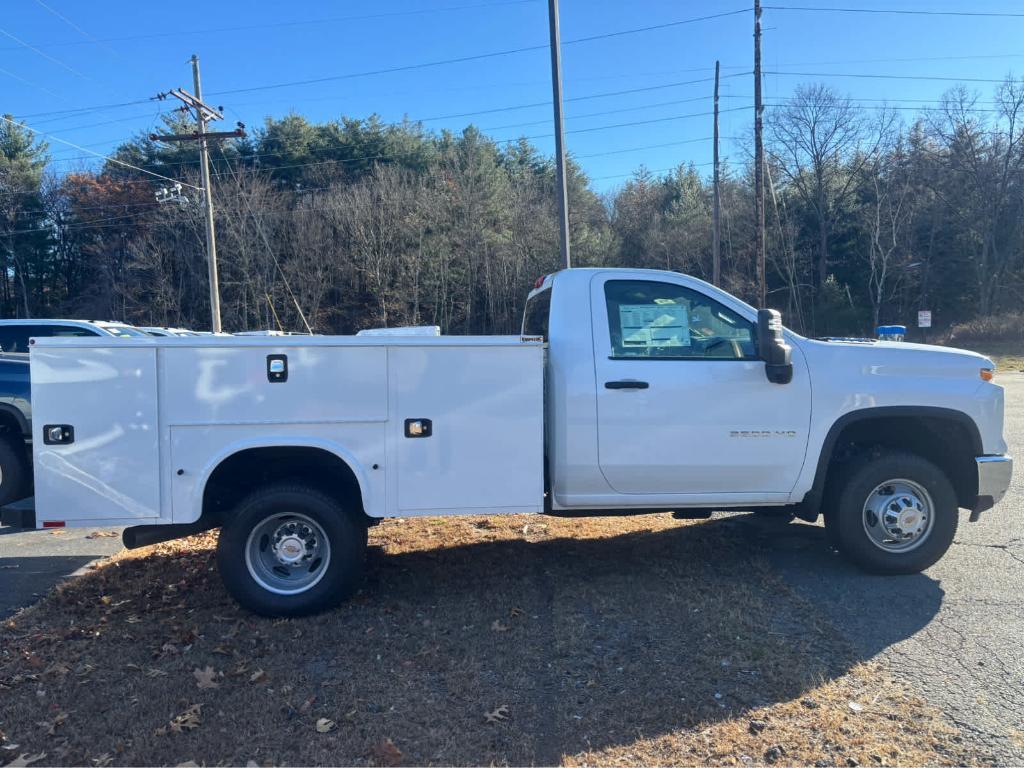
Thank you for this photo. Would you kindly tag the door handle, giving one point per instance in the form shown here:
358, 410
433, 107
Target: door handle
626, 384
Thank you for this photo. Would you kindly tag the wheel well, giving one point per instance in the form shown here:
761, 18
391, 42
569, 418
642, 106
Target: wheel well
9, 424
946, 441
241, 473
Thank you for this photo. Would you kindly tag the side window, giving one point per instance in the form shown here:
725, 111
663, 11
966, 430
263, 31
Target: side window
536, 315
63, 331
648, 319
14, 338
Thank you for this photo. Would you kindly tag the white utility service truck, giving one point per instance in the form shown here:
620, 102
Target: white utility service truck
628, 391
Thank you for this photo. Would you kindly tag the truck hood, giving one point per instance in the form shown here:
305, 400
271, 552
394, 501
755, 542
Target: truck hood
894, 358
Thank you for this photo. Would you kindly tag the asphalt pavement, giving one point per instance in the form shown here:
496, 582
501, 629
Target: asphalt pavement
31, 562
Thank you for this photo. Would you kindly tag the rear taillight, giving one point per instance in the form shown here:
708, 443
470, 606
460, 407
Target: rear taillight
540, 282
987, 374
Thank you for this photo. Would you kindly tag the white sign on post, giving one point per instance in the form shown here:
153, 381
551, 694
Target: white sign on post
924, 318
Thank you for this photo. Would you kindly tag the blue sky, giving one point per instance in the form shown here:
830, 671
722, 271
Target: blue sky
69, 54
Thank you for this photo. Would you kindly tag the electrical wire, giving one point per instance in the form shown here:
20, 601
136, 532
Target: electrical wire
473, 57
896, 11
281, 24
96, 154
45, 55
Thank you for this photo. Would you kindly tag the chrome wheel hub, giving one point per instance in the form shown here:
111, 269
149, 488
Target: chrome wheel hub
287, 553
898, 515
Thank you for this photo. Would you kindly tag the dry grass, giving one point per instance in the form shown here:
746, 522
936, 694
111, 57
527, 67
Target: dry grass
517, 640
1007, 355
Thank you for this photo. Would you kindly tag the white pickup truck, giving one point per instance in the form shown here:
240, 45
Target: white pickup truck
628, 391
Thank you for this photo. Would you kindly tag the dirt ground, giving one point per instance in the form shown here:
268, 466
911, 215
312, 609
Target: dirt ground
516, 640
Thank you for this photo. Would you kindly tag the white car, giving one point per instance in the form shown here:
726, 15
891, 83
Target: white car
14, 334
627, 391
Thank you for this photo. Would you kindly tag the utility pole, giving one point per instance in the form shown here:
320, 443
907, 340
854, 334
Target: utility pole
762, 276
203, 113
716, 223
556, 97
211, 234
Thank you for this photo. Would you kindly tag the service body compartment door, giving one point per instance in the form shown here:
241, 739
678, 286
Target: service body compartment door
483, 449
110, 470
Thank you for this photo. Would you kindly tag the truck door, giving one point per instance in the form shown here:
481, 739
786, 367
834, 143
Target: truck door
683, 404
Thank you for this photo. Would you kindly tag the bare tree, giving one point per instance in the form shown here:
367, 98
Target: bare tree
820, 140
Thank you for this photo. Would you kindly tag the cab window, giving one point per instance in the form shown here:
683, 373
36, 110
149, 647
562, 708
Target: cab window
649, 319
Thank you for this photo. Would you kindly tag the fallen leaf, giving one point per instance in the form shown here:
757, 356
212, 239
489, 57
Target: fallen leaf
59, 720
206, 678
186, 721
325, 725
307, 705
102, 535
516, 612
386, 753
497, 626
154, 672
499, 714
57, 532
25, 759
259, 676
853, 705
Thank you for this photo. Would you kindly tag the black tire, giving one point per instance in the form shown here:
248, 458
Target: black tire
341, 575
845, 513
14, 470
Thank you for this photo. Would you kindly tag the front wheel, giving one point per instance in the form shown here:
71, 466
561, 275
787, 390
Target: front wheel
893, 513
290, 550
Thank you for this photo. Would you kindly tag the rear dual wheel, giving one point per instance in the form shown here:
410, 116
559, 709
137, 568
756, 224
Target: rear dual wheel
291, 550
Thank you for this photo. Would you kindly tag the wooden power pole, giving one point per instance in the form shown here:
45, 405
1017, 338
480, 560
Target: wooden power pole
762, 276
716, 223
556, 97
204, 113
211, 234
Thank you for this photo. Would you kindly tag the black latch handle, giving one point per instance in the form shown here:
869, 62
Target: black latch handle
626, 384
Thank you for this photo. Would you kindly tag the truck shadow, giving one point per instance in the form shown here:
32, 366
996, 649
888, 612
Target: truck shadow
595, 642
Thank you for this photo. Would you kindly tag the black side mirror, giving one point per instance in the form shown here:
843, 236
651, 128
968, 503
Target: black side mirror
772, 347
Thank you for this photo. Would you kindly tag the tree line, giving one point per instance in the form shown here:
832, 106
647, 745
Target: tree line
871, 215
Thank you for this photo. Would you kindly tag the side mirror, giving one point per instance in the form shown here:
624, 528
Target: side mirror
772, 347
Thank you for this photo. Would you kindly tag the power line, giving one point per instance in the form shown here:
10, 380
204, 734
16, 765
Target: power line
413, 121
45, 55
896, 11
28, 82
97, 154
887, 77
80, 110
74, 26
474, 57
631, 124
281, 24
599, 114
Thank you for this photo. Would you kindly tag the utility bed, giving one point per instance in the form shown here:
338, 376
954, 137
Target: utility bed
127, 432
